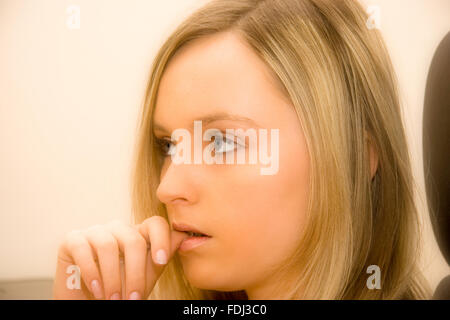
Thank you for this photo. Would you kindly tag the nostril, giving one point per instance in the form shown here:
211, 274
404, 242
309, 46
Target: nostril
179, 201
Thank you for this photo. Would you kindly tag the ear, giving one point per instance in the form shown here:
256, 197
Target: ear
373, 155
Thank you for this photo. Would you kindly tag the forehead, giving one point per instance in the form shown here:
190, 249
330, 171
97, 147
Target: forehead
217, 74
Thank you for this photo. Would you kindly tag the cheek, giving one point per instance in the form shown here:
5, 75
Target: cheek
261, 216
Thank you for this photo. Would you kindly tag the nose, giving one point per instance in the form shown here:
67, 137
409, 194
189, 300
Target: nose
175, 185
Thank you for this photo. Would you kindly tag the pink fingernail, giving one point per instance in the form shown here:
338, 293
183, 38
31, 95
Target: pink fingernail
96, 289
161, 257
115, 296
134, 296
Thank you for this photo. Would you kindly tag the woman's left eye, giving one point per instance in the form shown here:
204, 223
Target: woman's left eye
222, 144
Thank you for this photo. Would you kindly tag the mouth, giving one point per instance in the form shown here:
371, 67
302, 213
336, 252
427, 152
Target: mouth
195, 234
189, 230
195, 237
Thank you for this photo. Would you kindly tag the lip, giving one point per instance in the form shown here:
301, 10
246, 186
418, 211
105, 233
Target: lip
183, 227
190, 243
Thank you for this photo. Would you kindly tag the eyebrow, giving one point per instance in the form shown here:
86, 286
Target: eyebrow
207, 119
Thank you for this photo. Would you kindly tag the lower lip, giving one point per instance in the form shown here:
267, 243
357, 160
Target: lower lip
191, 243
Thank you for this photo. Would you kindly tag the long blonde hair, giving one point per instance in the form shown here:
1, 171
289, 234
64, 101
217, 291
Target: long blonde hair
339, 77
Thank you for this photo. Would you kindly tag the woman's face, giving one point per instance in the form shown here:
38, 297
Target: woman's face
255, 220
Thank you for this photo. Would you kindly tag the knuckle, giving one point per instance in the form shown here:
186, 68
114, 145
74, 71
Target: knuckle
137, 241
73, 242
74, 233
71, 235
106, 244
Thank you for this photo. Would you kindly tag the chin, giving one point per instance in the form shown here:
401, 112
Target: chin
206, 277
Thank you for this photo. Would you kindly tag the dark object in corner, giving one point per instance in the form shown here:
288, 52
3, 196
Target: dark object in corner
436, 152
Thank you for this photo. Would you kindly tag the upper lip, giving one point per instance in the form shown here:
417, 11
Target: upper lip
183, 227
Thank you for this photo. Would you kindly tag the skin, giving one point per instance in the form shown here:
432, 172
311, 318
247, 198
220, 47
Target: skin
255, 220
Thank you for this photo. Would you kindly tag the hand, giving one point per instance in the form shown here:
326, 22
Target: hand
146, 248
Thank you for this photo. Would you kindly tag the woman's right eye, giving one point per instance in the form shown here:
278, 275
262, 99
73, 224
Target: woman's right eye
165, 147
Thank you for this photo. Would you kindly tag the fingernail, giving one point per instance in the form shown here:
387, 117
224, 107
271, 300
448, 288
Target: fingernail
96, 289
134, 296
161, 256
115, 296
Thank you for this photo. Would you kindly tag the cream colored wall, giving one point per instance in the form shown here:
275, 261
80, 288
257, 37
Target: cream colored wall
69, 101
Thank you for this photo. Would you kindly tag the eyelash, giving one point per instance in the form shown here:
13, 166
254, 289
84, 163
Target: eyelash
162, 145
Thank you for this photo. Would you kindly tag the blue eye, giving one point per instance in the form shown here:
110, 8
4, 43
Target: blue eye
223, 145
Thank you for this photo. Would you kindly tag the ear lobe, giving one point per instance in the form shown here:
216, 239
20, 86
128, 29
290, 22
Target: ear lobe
373, 156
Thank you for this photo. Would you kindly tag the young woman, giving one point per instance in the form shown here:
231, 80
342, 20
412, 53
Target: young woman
337, 219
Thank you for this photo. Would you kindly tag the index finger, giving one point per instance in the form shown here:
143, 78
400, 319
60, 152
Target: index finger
158, 234
162, 240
